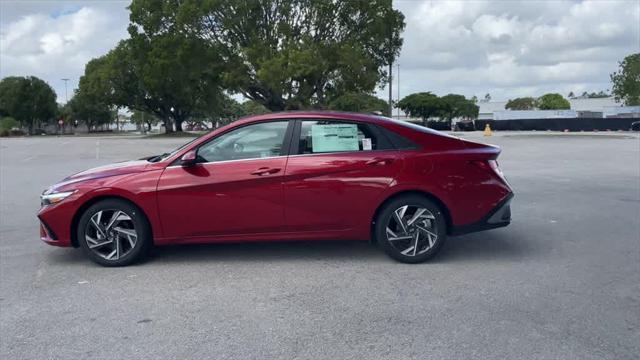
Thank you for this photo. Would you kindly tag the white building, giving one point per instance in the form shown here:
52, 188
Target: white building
607, 107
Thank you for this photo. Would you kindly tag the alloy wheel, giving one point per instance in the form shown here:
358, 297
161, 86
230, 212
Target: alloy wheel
111, 234
412, 230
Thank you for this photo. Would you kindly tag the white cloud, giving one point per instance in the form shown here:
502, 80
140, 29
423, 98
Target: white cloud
506, 48
514, 48
55, 40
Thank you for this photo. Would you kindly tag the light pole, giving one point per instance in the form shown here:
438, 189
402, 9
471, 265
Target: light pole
398, 87
66, 96
66, 100
390, 88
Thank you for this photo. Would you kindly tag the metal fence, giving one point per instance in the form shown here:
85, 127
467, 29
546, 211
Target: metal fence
559, 124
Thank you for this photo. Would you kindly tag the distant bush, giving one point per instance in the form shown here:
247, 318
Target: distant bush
525, 103
553, 102
7, 124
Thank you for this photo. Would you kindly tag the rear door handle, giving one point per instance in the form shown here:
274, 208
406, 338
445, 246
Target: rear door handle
265, 171
379, 161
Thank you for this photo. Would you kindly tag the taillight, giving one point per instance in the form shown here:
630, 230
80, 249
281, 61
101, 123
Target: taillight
495, 167
492, 166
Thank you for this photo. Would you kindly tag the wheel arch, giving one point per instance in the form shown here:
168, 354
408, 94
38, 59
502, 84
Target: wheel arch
88, 203
428, 195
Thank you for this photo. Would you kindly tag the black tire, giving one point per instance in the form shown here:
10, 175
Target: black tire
386, 215
137, 218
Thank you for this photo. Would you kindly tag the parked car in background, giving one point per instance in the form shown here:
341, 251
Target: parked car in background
286, 176
635, 126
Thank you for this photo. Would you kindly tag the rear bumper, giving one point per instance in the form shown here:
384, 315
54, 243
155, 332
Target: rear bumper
500, 216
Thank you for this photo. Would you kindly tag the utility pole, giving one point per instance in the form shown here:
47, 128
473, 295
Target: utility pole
398, 88
390, 88
66, 96
66, 100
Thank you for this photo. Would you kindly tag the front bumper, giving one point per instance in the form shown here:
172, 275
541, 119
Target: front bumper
55, 223
500, 216
48, 236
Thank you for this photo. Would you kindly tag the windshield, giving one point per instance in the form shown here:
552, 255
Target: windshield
169, 154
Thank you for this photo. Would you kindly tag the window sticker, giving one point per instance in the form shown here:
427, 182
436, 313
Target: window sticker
366, 144
334, 137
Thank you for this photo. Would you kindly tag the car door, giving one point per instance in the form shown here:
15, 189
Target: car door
335, 174
234, 189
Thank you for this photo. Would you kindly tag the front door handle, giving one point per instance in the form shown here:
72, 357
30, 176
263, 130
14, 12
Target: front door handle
379, 161
265, 171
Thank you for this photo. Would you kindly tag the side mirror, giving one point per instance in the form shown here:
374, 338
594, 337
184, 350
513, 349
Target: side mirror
189, 158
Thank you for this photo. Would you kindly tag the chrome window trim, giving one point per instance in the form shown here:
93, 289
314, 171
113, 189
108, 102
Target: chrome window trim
345, 152
228, 161
296, 155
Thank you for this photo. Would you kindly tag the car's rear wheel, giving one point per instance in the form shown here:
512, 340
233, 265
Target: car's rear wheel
114, 232
411, 228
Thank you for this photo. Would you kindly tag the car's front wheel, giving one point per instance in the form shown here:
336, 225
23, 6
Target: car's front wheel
411, 228
113, 232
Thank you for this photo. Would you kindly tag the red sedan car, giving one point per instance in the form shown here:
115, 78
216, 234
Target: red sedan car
286, 176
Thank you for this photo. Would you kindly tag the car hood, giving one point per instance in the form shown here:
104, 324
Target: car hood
122, 168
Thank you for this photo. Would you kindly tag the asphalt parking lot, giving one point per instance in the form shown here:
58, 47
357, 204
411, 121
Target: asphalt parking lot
561, 282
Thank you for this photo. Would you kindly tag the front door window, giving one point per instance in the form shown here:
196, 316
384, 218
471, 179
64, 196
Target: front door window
248, 142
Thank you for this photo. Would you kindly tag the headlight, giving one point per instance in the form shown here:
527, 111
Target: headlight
54, 198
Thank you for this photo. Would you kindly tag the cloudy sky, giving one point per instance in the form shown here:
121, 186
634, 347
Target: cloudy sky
505, 48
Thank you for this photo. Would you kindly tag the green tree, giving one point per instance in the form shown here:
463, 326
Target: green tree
524, 103
598, 95
287, 54
63, 112
422, 105
450, 107
553, 102
7, 123
456, 106
626, 81
469, 110
93, 102
359, 102
29, 100
143, 119
86, 108
251, 107
179, 76
166, 74
231, 111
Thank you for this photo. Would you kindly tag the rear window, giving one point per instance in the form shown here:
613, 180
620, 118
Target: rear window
421, 128
330, 136
398, 141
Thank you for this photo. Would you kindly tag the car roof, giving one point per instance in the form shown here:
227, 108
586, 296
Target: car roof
322, 114
339, 115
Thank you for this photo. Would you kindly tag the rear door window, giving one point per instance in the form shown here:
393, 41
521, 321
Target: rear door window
330, 136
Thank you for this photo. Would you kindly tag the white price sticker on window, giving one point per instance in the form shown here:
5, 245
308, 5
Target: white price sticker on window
366, 144
334, 137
